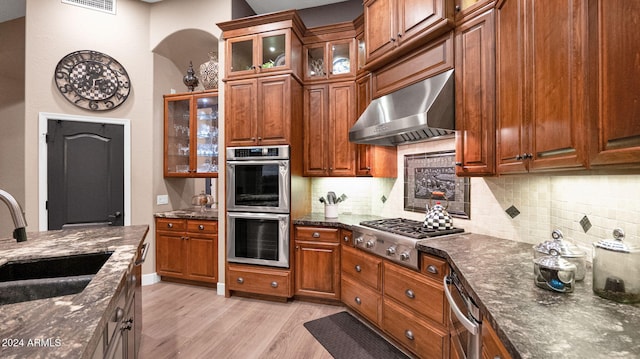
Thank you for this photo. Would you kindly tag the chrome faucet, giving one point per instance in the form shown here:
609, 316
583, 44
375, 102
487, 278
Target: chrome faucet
19, 233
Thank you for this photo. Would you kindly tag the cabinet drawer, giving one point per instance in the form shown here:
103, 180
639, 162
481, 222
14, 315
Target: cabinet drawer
347, 238
171, 224
415, 291
261, 281
363, 267
433, 267
362, 299
415, 334
209, 227
317, 234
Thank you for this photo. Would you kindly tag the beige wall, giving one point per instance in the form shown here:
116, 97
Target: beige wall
12, 35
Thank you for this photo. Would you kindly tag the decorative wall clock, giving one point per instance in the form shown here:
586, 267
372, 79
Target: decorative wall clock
92, 80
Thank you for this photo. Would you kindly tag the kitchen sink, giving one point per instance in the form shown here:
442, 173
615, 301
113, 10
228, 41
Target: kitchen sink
22, 281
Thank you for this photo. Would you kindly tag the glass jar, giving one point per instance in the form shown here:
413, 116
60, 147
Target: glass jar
566, 250
616, 269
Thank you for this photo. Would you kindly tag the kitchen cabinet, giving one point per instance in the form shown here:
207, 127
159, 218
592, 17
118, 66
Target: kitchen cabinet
329, 113
329, 60
191, 134
317, 265
492, 347
541, 92
263, 111
187, 249
361, 283
475, 96
614, 99
395, 27
415, 311
275, 283
374, 161
465, 9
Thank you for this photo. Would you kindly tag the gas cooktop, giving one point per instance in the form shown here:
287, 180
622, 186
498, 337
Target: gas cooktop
408, 227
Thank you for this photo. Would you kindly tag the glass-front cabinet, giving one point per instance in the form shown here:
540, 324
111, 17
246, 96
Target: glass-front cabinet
262, 53
191, 135
329, 60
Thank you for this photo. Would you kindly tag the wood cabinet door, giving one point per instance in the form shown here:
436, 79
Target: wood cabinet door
556, 59
241, 112
475, 96
363, 98
170, 254
202, 258
511, 133
379, 27
342, 116
616, 99
274, 110
416, 16
315, 124
318, 269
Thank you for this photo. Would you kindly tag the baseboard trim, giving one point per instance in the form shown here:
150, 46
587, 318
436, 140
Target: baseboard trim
149, 279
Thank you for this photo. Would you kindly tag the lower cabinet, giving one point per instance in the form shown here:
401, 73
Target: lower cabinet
492, 347
259, 280
361, 283
317, 268
187, 249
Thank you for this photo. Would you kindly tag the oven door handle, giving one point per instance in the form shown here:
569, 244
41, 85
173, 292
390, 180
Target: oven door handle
468, 324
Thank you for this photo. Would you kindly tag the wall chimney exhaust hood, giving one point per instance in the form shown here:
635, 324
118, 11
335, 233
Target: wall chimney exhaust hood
419, 112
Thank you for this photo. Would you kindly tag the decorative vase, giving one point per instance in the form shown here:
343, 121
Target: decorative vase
209, 72
190, 78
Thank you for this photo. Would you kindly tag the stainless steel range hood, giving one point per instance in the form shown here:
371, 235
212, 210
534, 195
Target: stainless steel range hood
419, 112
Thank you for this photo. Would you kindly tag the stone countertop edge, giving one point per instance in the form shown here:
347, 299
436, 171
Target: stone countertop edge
67, 326
531, 322
190, 213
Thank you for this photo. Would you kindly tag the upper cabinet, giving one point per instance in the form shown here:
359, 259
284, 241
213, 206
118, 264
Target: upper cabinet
614, 95
395, 27
263, 45
541, 85
329, 60
191, 134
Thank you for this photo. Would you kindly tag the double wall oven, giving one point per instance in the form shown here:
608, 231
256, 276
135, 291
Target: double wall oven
258, 205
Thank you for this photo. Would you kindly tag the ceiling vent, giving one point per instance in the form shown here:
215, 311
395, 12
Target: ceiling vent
108, 6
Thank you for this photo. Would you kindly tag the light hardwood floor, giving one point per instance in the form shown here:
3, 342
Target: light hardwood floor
182, 321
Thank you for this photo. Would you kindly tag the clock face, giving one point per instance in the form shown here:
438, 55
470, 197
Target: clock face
92, 80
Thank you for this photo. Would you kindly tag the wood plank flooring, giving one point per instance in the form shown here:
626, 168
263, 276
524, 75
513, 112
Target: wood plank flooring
182, 321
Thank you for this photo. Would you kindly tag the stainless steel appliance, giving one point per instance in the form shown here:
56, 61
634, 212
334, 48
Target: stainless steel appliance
258, 205
466, 323
258, 179
396, 238
258, 238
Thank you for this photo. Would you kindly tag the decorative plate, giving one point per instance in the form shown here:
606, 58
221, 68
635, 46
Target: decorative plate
92, 80
341, 65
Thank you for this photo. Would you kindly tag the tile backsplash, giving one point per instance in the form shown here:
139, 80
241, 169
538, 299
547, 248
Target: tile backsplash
545, 202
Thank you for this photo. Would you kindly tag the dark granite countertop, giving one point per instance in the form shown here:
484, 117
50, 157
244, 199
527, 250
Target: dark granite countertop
190, 213
67, 326
533, 322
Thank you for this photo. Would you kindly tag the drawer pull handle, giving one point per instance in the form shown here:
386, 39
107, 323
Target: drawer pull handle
432, 269
410, 294
274, 284
408, 334
358, 268
201, 227
316, 235
358, 301
240, 280
170, 225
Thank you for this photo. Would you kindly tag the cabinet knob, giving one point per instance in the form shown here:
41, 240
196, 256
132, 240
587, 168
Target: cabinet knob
528, 155
432, 269
315, 235
169, 225
459, 164
240, 280
458, 8
274, 284
392, 39
201, 227
357, 300
399, 35
358, 268
410, 294
259, 138
346, 238
408, 334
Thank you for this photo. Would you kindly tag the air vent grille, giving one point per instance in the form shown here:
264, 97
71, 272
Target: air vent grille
108, 6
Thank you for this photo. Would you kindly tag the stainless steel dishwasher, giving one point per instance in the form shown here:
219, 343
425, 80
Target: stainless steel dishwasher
466, 322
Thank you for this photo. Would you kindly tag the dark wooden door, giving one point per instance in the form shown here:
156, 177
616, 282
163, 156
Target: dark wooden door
85, 174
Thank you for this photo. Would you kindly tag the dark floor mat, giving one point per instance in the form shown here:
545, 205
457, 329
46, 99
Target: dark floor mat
345, 337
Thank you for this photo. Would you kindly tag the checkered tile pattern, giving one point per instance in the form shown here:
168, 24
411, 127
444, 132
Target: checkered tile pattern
94, 81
